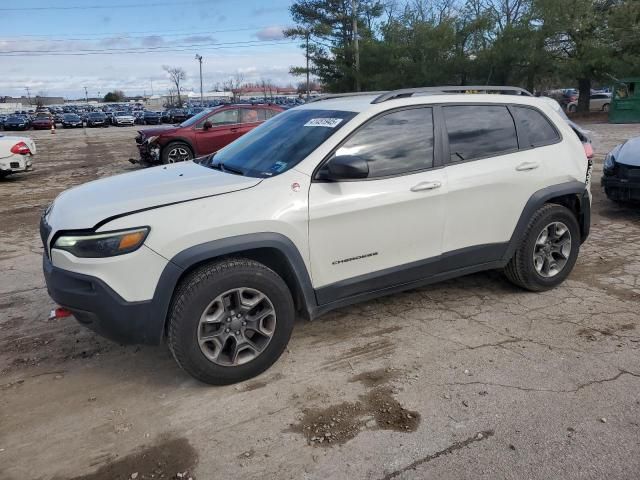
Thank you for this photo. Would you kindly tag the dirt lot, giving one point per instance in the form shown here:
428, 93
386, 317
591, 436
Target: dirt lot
471, 378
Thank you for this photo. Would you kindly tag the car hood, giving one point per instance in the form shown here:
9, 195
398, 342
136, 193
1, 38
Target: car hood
152, 132
87, 205
628, 153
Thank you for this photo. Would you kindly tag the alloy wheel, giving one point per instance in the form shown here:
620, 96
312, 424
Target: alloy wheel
552, 249
178, 154
236, 327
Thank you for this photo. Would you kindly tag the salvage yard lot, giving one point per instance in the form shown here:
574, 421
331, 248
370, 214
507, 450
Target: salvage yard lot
471, 378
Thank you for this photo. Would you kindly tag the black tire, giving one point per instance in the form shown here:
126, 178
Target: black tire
164, 156
521, 270
198, 290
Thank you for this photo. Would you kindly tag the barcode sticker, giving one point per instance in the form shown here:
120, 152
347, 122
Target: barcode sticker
323, 122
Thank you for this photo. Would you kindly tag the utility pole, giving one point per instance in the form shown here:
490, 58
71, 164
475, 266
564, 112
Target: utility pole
356, 46
28, 94
86, 95
151, 80
307, 55
199, 58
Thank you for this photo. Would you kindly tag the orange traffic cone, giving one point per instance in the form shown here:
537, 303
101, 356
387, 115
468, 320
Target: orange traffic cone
53, 129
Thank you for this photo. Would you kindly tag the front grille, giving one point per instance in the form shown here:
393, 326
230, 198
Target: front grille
627, 172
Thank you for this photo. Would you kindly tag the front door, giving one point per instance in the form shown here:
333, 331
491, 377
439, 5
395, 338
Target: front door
386, 229
224, 130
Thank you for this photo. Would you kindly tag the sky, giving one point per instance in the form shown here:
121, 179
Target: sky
123, 44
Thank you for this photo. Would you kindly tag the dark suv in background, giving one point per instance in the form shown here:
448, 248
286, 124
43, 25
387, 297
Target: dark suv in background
205, 133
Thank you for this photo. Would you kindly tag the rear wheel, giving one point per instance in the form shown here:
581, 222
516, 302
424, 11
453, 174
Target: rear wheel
548, 251
230, 320
176, 152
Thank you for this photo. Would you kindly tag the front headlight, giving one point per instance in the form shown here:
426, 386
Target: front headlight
152, 139
609, 162
100, 245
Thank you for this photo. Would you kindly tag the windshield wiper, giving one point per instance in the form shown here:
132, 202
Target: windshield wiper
226, 168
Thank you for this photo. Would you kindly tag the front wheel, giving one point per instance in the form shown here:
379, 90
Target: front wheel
605, 107
548, 251
176, 152
230, 320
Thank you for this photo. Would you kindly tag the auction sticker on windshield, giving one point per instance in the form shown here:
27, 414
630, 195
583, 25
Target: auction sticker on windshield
323, 122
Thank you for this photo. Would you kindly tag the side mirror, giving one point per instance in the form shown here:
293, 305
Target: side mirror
347, 167
207, 125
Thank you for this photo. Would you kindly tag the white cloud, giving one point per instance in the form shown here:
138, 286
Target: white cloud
270, 33
135, 74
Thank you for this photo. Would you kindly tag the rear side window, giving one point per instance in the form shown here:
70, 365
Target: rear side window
477, 131
537, 127
395, 143
249, 115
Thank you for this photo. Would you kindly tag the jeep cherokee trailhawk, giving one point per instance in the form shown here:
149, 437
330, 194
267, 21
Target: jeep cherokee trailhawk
337, 201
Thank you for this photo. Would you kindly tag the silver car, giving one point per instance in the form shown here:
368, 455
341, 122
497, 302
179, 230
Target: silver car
598, 102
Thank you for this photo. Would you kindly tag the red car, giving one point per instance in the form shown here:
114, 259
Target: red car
202, 134
42, 122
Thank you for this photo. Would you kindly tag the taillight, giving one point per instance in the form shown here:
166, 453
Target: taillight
588, 150
20, 148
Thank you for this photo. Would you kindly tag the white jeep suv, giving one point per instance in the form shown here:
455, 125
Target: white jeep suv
334, 202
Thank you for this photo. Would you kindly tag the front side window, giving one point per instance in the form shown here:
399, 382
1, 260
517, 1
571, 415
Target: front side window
395, 143
477, 131
538, 128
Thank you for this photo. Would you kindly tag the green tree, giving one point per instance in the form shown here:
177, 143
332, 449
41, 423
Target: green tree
115, 96
328, 24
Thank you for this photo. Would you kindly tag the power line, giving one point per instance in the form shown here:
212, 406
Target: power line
102, 6
169, 49
136, 49
132, 37
137, 34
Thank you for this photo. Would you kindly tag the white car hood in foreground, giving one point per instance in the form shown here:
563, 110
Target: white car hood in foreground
8, 141
89, 204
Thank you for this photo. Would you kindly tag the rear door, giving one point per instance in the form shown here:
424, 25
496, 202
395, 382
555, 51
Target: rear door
491, 176
224, 130
368, 234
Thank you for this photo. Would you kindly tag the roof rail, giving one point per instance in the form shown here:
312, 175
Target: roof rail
408, 92
330, 96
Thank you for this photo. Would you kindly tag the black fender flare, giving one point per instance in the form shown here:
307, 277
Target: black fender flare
198, 254
538, 199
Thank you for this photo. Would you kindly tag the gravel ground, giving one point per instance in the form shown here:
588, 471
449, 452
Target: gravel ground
470, 378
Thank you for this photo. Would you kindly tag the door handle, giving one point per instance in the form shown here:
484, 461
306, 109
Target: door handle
426, 186
233, 129
523, 167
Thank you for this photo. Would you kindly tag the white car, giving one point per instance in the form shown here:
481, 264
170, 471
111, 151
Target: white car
16, 154
337, 201
123, 119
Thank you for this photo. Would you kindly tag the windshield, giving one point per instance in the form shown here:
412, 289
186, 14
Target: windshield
280, 143
193, 120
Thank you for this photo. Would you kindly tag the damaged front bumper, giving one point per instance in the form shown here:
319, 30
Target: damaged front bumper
149, 151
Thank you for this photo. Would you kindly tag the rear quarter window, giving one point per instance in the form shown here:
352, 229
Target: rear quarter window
538, 128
